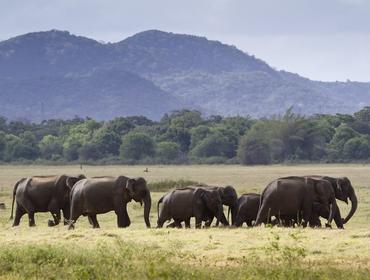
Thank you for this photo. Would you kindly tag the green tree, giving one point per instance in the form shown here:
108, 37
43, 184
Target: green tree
197, 134
357, 148
183, 119
107, 142
213, 145
2, 144
50, 146
363, 115
167, 151
253, 150
136, 146
343, 133
89, 151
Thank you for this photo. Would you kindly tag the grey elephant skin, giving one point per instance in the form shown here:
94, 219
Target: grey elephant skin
247, 209
228, 197
295, 197
183, 204
43, 194
99, 195
344, 191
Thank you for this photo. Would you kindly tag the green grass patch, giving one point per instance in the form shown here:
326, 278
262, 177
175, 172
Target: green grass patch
165, 185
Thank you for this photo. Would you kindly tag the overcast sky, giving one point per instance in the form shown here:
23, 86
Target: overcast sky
320, 39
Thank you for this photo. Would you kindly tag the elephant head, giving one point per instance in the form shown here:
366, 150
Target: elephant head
347, 191
213, 202
343, 191
139, 191
230, 198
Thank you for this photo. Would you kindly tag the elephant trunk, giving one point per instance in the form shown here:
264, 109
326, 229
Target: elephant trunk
353, 199
330, 213
221, 216
147, 206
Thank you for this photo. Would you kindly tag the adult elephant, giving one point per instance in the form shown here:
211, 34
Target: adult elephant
247, 209
43, 194
99, 195
182, 204
343, 190
294, 197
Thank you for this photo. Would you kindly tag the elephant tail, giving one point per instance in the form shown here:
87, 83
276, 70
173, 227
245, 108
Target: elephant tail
14, 193
159, 202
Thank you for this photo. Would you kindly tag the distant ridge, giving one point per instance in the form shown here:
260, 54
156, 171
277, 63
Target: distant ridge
151, 73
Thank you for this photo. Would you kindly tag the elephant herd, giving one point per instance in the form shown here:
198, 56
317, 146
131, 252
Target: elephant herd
286, 201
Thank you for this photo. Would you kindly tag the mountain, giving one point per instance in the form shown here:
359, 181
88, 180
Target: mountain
55, 74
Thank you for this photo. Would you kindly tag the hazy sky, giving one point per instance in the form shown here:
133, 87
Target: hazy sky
319, 39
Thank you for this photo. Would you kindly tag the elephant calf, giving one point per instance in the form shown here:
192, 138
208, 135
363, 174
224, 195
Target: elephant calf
182, 204
247, 209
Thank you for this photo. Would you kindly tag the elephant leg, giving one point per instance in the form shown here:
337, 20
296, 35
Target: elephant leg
338, 218
123, 220
66, 214
55, 212
31, 219
19, 212
178, 223
263, 216
187, 223
238, 220
27, 204
162, 219
90, 220
171, 225
198, 222
93, 220
56, 217
73, 219
209, 222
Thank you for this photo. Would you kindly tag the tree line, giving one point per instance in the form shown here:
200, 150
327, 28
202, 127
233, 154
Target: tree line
188, 137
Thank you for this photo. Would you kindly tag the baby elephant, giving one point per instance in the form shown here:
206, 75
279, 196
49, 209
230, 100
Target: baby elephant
182, 204
247, 209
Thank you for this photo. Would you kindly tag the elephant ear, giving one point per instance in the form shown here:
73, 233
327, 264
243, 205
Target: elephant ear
130, 186
121, 184
339, 187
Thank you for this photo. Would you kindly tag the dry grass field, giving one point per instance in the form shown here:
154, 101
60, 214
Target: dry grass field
214, 253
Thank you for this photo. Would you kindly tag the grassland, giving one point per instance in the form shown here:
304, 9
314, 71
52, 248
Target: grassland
217, 253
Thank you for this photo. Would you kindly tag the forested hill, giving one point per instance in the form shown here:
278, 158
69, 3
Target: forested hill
55, 74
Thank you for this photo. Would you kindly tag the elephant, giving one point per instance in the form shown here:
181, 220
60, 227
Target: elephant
99, 195
343, 190
229, 198
182, 204
295, 197
247, 209
43, 194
